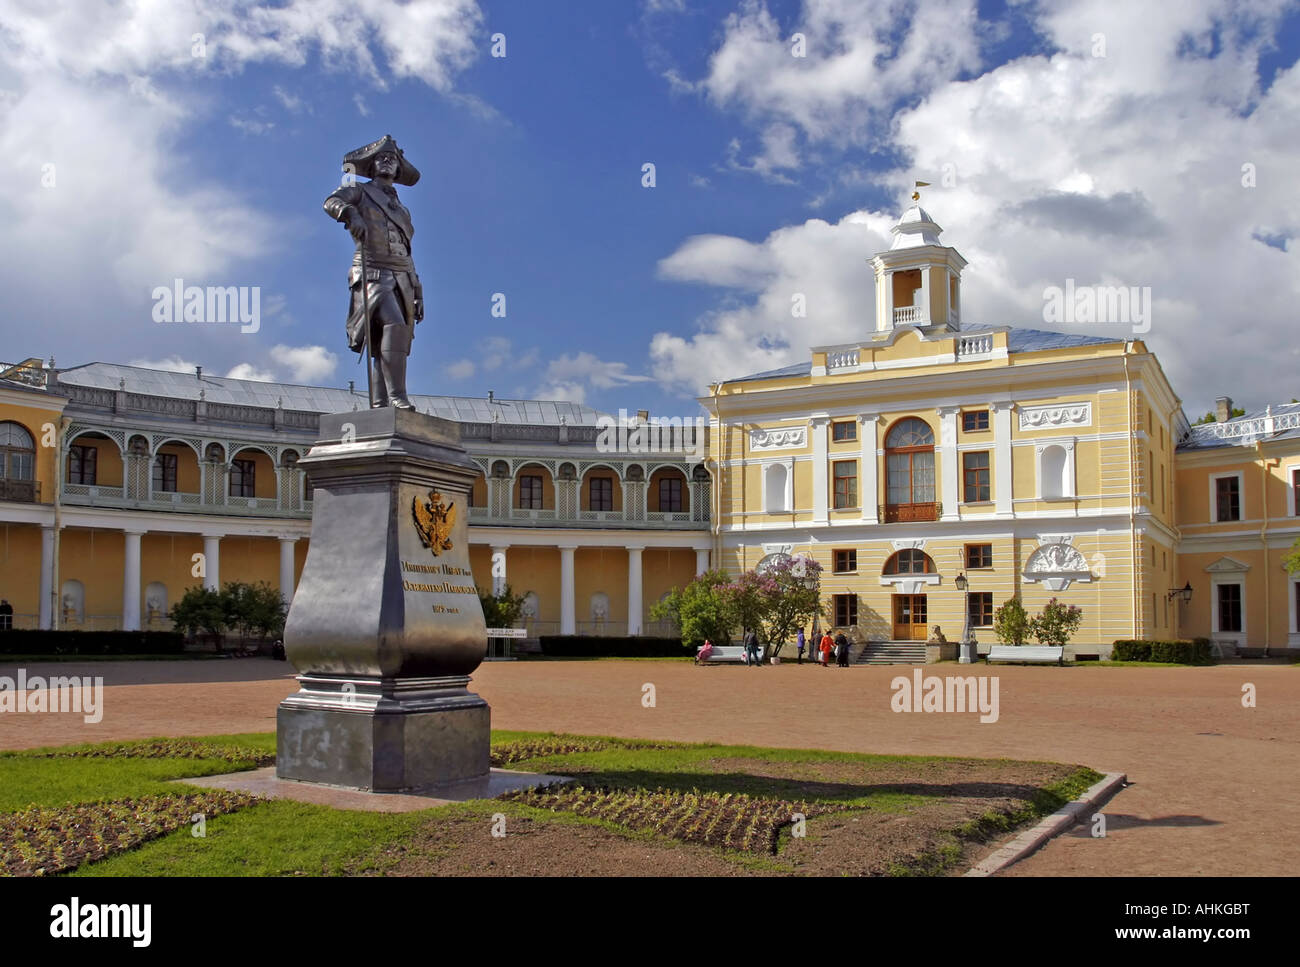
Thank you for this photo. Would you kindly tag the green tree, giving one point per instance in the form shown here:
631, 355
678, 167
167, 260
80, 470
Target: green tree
1211, 418
1056, 623
200, 610
792, 598
1292, 561
702, 609
501, 610
1010, 623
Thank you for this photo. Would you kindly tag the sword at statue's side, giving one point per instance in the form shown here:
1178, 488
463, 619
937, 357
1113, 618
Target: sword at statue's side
365, 304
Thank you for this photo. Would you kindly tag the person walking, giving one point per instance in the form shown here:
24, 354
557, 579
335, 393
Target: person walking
799, 642
842, 650
752, 649
826, 648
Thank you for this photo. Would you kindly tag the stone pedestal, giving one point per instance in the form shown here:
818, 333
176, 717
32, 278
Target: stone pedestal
385, 625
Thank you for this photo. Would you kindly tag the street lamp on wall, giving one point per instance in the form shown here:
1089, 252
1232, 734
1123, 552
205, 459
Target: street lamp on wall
1185, 593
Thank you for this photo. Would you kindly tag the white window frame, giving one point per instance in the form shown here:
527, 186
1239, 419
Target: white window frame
1238, 638
1293, 629
1071, 487
1241, 496
1291, 470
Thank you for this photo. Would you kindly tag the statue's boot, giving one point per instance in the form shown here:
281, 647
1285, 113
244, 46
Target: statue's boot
377, 383
395, 378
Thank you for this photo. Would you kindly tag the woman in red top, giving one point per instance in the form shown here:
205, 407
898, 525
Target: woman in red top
827, 647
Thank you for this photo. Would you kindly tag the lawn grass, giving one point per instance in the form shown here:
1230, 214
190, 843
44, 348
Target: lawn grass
284, 838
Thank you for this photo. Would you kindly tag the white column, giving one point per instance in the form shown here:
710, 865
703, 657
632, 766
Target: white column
212, 562
286, 567
567, 624
886, 324
1002, 458
817, 427
925, 296
47, 577
869, 486
634, 602
499, 580
131, 582
949, 495
701, 560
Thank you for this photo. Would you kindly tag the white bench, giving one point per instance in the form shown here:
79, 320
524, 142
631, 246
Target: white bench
1036, 654
723, 653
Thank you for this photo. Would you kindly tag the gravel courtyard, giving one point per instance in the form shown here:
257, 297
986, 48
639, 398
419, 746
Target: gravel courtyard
1215, 786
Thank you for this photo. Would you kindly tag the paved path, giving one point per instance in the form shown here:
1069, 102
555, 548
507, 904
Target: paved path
1215, 786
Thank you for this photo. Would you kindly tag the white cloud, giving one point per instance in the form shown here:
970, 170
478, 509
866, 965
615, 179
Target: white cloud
97, 98
171, 364
291, 102
861, 58
1125, 169
460, 369
250, 371
569, 377
305, 364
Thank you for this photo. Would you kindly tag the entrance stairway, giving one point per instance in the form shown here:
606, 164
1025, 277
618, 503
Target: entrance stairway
892, 653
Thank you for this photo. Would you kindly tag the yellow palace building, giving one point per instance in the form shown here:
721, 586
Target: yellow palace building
1029, 463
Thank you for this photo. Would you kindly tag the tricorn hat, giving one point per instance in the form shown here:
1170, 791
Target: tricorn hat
362, 161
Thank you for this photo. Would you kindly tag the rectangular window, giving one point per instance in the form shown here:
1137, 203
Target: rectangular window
241, 478
846, 483
82, 462
975, 476
845, 561
1296, 588
844, 431
1227, 498
846, 609
973, 420
164, 473
601, 491
979, 555
530, 492
981, 609
1229, 607
670, 495
1295, 492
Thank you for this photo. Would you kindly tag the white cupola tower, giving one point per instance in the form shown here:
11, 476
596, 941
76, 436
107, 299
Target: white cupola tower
918, 280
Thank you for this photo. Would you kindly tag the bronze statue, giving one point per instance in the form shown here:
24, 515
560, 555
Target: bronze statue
387, 300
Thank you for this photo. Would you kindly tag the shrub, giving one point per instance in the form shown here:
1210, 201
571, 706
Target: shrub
1183, 652
1056, 623
61, 642
1010, 623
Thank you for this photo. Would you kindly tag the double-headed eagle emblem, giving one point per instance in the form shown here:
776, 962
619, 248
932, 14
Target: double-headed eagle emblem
434, 521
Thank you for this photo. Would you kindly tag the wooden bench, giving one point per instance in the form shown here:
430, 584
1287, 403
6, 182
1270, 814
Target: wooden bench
1033, 654
723, 653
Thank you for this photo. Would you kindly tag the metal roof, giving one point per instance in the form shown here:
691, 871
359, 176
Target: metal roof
1281, 421
320, 399
1018, 341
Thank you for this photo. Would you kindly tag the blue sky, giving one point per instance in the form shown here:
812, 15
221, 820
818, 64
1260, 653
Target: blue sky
774, 175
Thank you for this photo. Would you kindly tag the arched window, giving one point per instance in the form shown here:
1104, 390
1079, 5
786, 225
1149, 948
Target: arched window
776, 481
909, 465
910, 560
17, 463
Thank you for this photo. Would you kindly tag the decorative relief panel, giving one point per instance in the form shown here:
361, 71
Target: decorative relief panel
1056, 415
779, 439
1057, 565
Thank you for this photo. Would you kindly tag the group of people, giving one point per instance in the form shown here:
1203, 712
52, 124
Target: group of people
826, 647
